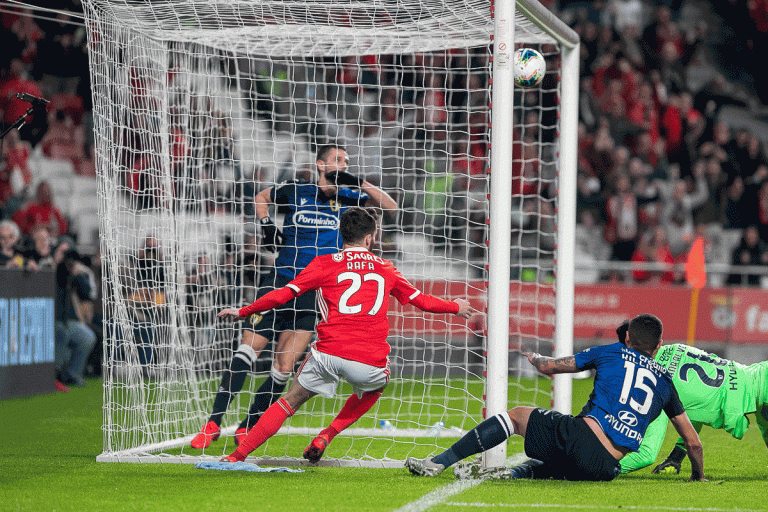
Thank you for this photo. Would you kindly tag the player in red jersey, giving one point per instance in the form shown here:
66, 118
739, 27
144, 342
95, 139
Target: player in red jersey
353, 288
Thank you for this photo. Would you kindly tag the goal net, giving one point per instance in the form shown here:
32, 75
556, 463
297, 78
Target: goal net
199, 105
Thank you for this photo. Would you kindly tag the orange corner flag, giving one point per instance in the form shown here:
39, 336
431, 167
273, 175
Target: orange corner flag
696, 267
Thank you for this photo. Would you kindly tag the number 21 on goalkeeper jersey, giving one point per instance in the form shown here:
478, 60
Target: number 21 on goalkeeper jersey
353, 288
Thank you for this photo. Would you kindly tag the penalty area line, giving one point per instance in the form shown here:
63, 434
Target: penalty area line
441, 494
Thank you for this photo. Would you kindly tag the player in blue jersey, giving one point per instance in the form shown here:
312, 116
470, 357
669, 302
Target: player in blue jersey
310, 228
714, 391
630, 391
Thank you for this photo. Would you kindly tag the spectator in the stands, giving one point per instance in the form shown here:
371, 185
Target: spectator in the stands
762, 211
751, 251
650, 149
41, 211
589, 248
599, 156
203, 298
740, 205
671, 71
671, 128
653, 248
752, 158
432, 114
44, 254
644, 113
657, 33
694, 125
723, 147
147, 300
29, 33
10, 256
677, 213
76, 293
588, 197
625, 14
712, 210
15, 174
621, 229
64, 139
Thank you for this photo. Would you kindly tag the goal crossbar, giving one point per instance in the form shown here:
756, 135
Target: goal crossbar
260, 27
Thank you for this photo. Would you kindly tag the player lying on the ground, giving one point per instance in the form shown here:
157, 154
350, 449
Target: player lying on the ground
353, 288
714, 391
630, 391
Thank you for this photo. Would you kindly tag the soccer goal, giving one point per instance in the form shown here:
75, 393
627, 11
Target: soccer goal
199, 105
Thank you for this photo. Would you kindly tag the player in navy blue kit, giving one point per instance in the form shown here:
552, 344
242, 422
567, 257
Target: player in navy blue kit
630, 391
310, 228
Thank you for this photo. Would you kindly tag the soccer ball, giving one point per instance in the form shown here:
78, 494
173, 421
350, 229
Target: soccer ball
529, 67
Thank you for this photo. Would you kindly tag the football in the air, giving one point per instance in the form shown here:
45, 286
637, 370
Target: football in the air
529, 67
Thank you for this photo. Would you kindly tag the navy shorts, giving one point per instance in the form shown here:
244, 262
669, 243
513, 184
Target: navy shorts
299, 314
568, 448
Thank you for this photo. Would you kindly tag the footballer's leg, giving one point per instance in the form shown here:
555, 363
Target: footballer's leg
674, 460
353, 409
368, 383
491, 432
290, 347
474, 470
271, 421
232, 382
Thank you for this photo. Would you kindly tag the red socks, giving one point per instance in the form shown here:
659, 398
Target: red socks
267, 426
353, 409
274, 417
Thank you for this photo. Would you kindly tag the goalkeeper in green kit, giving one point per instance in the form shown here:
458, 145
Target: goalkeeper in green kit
714, 391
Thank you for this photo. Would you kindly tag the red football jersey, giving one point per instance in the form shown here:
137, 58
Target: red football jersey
353, 289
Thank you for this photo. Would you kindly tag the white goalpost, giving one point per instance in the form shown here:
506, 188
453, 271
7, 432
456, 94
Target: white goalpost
199, 105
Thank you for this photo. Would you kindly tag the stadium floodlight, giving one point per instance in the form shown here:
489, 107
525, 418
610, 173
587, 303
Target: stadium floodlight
199, 104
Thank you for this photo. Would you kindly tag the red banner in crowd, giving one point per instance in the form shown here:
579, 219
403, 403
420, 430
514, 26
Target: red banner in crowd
727, 315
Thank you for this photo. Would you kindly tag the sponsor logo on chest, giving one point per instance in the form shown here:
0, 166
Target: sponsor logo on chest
312, 219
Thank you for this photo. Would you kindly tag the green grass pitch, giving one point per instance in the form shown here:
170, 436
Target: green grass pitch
50, 442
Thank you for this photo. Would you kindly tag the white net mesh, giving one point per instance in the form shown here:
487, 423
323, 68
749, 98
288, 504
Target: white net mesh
200, 105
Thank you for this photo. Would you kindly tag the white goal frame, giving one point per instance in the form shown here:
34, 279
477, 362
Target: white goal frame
520, 21
506, 20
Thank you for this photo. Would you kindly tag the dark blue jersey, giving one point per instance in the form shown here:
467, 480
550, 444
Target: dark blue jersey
311, 224
631, 389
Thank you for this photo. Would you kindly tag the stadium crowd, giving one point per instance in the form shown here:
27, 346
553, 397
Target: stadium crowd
46, 56
657, 164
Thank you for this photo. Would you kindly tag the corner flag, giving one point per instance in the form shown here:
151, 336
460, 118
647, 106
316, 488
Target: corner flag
696, 267
696, 276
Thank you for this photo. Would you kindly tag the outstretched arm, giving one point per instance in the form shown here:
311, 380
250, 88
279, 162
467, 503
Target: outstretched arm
265, 303
551, 366
675, 458
434, 304
692, 444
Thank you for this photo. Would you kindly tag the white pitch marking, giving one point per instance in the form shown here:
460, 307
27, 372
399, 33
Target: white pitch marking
441, 494
593, 507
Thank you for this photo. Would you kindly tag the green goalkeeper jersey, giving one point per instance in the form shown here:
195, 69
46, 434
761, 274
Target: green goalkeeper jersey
714, 391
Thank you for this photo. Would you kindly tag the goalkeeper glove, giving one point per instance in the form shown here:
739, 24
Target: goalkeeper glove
271, 237
344, 179
673, 462
621, 331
